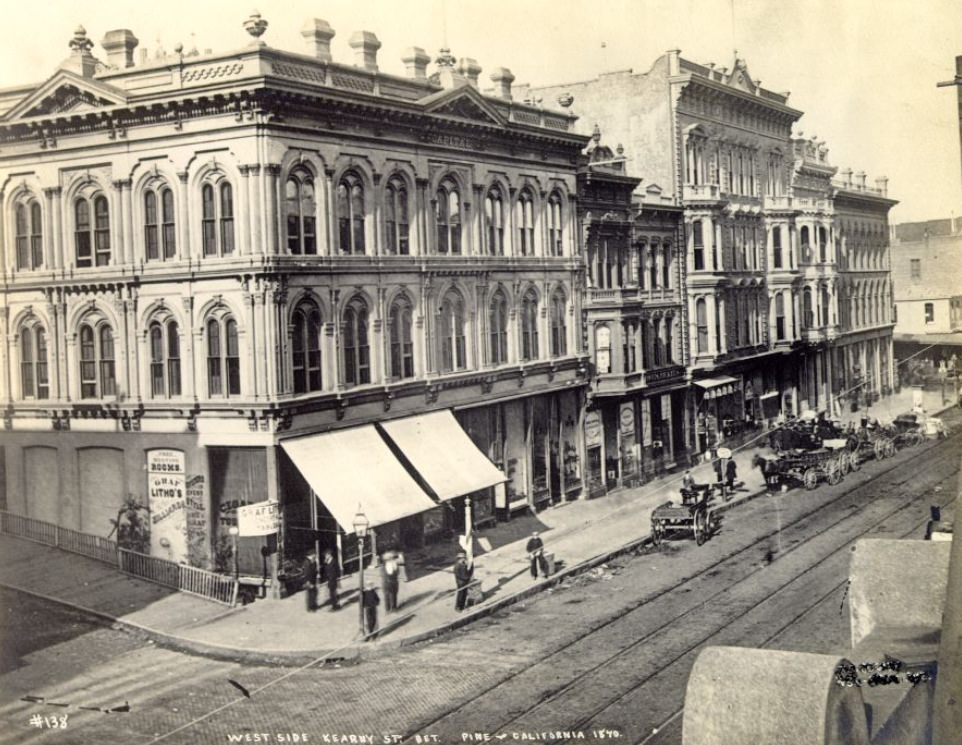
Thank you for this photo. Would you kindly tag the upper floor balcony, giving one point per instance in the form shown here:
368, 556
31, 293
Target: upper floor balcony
621, 296
701, 193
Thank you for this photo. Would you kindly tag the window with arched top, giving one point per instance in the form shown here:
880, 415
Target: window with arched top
34, 380
529, 326
555, 230
300, 206
159, 236
91, 231
164, 359
400, 322
524, 219
498, 329
350, 214
306, 348
451, 342
223, 357
808, 310
559, 325
397, 217
355, 346
826, 304
447, 214
97, 376
779, 316
217, 219
822, 245
29, 235
666, 265
494, 222
701, 325
669, 342
658, 342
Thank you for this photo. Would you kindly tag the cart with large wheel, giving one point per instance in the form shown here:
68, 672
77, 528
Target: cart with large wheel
907, 431
693, 516
806, 467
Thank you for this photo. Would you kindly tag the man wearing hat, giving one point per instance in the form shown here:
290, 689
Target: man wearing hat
535, 549
370, 601
462, 577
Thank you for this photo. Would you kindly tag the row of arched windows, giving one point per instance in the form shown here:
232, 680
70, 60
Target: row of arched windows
92, 230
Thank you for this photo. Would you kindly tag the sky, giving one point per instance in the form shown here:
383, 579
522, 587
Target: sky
863, 71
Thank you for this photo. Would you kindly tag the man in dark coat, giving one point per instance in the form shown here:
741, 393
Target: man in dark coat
535, 549
731, 472
370, 601
309, 570
332, 573
391, 563
462, 577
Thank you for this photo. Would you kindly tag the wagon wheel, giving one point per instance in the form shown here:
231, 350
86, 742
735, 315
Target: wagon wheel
879, 449
657, 532
700, 527
833, 473
810, 478
844, 463
853, 461
890, 449
852, 443
916, 438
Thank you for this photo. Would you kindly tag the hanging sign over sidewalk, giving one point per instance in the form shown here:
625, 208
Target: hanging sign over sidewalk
260, 518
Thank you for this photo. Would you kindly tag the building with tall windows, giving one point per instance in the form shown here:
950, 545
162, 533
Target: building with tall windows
269, 275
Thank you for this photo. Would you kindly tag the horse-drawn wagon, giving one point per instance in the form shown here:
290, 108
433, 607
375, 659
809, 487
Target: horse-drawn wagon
693, 516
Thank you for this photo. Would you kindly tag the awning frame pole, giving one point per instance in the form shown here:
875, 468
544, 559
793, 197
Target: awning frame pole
317, 538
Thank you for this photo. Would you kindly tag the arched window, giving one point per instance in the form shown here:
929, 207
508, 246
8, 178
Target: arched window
223, 357
806, 241
658, 341
451, 351
159, 237
396, 198
825, 306
97, 379
34, 382
402, 347
777, 247
698, 245
355, 347
164, 359
29, 230
559, 328
822, 245
301, 210
217, 217
494, 222
779, 316
666, 266
555, 231
92, 242
498, 329
529, 326
448, 218
652, 261
306, 348
669, 343
808, 311
350, 214
524, 211
701, 323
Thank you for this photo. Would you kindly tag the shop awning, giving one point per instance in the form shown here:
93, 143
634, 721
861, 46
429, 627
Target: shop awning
356, 467
723, 385
443, 454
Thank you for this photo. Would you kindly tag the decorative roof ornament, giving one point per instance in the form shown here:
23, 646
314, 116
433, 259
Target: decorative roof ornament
565, 100
80, 44
255, 25
596, 134
445, 58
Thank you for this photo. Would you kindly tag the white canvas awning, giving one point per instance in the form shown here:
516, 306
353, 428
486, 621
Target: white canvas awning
723, 385
354, 468
442, 454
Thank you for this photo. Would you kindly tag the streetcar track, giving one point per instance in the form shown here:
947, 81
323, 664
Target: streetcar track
853, 493
624, 650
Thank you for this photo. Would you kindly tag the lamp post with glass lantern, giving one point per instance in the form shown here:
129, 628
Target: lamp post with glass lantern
361, 524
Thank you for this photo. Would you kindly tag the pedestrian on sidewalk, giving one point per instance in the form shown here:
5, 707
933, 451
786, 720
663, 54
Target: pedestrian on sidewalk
309, 570
731, 472
332, 573
535, 549
370, 601
392, 565
463, 572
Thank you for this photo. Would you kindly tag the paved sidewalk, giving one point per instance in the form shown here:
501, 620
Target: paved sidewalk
580, 534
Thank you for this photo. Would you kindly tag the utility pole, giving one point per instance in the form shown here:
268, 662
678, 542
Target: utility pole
947, 710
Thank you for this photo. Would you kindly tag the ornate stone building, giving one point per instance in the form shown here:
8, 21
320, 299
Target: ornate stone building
219, 271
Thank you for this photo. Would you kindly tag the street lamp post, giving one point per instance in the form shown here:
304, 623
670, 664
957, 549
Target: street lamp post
361, 524
234, 532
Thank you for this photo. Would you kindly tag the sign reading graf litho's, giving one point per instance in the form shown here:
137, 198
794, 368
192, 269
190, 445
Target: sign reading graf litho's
167, 498
260, 518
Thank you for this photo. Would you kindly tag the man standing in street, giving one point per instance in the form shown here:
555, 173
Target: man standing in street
462, 577
332, 573
535, 549
370, 601
391, 563
309, 570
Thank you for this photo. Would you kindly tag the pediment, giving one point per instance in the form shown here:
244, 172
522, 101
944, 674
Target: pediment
739, 78
463, 103
67, 92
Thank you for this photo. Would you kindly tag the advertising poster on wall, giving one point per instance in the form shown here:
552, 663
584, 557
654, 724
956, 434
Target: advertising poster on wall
167, 498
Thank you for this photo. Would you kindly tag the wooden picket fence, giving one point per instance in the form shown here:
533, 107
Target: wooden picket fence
209, 585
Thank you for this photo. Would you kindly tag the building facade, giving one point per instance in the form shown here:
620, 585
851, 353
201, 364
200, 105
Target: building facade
207, 258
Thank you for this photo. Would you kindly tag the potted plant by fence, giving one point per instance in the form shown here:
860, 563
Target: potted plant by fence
132, 526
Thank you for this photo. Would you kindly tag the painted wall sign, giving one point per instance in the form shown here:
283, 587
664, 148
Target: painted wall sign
646, 422
167, 499
592, 429
260, 518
